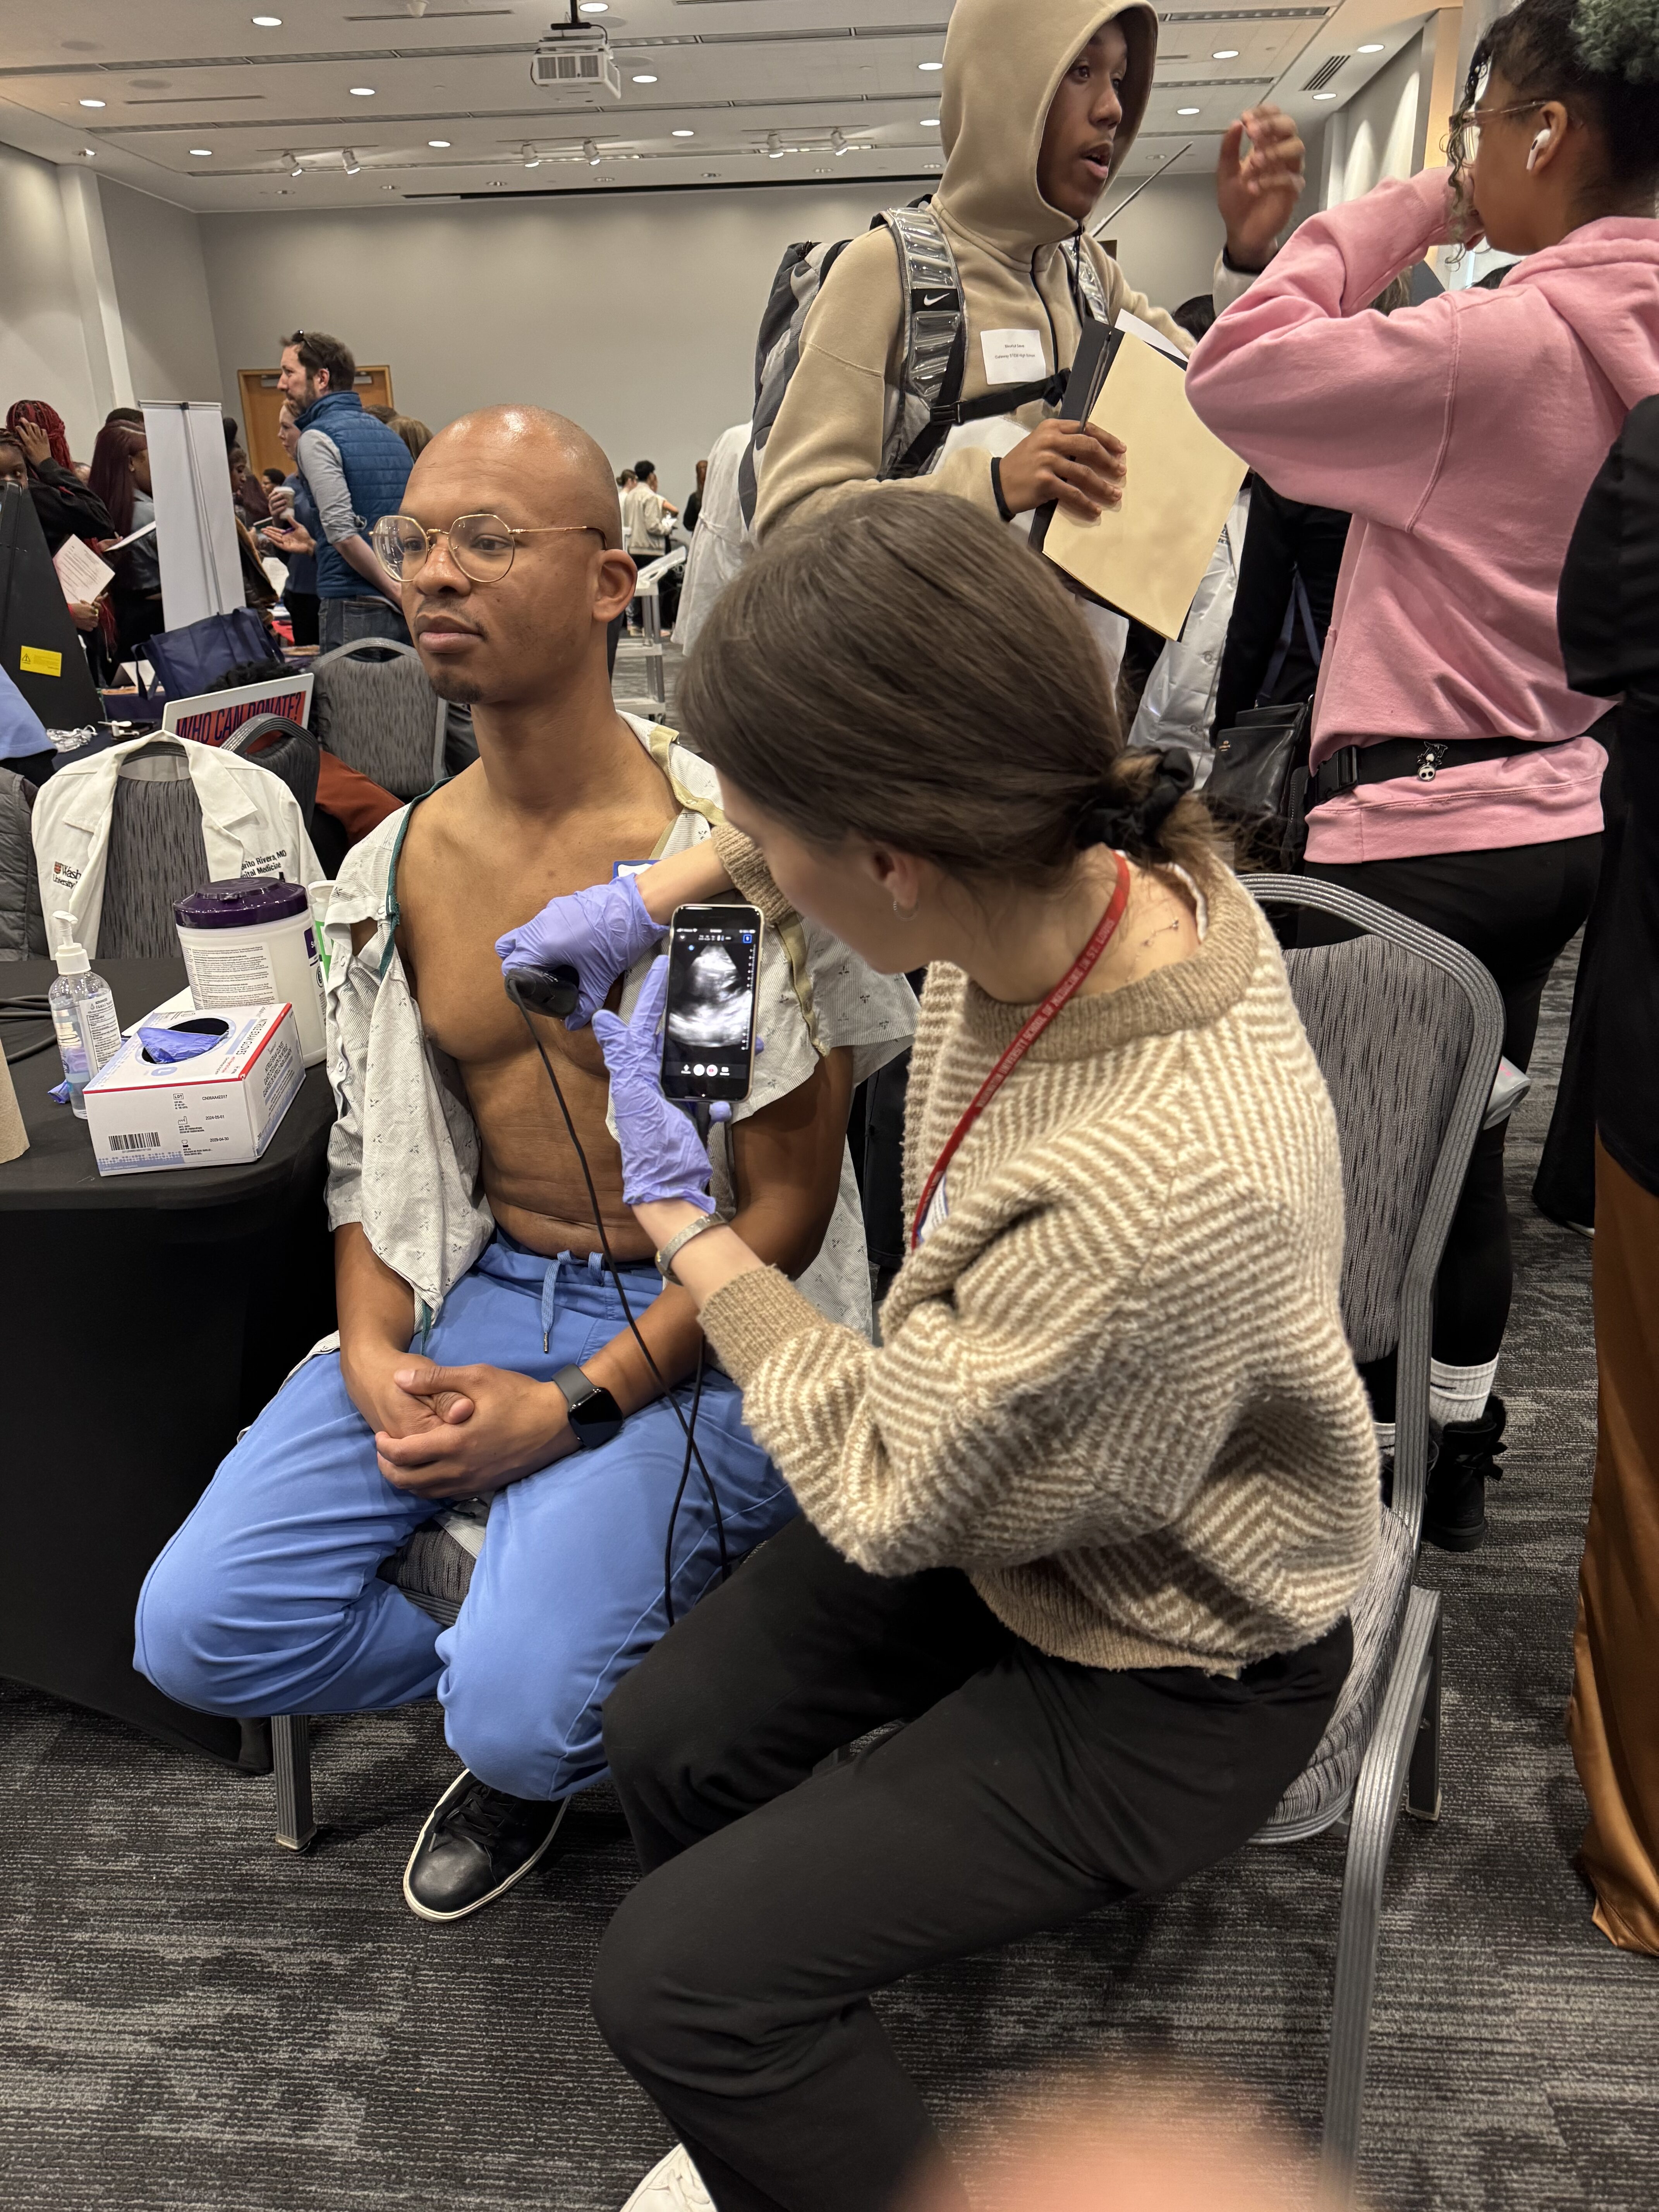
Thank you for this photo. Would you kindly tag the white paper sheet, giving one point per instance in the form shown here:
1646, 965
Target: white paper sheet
80, 571
1149, 336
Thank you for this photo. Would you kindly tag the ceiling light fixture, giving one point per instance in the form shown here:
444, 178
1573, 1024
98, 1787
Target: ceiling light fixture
93, 103
838, 144
362, 92
1370, 46
930, 66
682, 134
88, 153
645, 77
269, 22
1324, 95
592, 153
930, 123
774, 147
1224, 54
201, 153
438, 145
1186, 111
352, 164
595, 7
532, 160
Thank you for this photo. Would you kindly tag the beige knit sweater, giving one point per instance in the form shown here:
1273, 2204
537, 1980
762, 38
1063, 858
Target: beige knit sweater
1112, 1386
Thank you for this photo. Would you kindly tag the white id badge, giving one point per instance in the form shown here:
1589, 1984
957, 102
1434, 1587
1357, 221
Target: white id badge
1013, 356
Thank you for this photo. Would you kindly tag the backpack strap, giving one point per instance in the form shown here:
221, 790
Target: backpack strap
935, 337
1087, 289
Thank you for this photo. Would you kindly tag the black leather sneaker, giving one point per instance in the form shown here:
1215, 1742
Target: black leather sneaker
477, 1842
1455, 1509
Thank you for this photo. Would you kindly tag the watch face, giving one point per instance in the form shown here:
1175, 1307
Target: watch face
597, 1418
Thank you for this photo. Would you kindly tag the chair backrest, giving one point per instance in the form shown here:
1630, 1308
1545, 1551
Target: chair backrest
371, 706
22, 925
1406, 1028
157, 853
289, 752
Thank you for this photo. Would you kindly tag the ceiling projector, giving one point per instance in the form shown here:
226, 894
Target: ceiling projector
574, 59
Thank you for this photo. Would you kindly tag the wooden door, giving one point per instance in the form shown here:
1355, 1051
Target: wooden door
262, 402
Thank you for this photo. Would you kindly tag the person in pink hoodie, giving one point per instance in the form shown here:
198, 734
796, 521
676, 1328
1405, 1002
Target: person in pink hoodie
1456, 776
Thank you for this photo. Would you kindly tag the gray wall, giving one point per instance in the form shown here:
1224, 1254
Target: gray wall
43, 352
633, 314
1379, 132
155, 253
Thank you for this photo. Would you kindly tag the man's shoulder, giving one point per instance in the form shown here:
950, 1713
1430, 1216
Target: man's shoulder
364, 872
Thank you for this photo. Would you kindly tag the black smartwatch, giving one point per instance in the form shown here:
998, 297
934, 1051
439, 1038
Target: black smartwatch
595, 1416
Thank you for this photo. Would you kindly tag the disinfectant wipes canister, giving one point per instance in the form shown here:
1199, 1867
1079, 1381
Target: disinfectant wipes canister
253, 943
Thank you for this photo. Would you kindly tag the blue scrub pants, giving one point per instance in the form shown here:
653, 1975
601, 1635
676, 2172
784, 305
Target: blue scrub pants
268, 1601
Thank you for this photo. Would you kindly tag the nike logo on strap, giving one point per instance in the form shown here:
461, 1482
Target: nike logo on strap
936, 298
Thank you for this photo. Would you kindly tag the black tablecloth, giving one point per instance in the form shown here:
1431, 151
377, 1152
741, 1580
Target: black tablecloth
150, 1316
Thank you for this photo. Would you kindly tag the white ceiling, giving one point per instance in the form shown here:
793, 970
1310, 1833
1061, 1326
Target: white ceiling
176, 75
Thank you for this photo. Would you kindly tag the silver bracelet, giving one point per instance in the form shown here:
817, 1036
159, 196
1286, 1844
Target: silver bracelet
671, 1250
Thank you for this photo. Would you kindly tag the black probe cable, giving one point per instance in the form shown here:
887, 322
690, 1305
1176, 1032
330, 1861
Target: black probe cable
692, 1450
30, 1007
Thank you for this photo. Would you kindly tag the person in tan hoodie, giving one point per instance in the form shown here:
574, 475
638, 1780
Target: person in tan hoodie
1040, 107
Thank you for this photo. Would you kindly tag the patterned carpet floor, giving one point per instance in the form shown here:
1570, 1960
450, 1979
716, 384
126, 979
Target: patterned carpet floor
195, 2020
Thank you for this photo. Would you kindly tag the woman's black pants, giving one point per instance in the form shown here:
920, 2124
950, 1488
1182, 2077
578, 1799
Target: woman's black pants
734, 1983
1516, 909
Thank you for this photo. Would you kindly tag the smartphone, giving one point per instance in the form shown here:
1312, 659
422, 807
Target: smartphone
708, 1022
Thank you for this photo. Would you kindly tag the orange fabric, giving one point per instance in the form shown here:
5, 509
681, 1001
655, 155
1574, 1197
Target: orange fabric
1612, 1720
356, 805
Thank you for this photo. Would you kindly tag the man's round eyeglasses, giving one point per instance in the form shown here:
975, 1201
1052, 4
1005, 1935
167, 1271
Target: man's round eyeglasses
481, 546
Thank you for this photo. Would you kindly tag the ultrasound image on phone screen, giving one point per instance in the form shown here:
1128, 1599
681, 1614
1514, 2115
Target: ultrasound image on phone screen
709, 1029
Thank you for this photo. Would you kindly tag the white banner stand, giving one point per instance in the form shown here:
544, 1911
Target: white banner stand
195, 522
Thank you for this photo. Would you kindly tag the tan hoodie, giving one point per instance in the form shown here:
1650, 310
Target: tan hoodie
1004, 61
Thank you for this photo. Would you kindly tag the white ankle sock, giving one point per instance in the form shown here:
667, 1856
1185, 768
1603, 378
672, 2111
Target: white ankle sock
1459, 1394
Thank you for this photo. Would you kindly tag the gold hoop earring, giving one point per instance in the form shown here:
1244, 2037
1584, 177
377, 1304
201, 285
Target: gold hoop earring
906, 913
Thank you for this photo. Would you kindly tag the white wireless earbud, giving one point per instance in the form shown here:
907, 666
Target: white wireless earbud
1537, 147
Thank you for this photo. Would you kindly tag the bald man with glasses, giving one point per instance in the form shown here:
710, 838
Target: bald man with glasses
486, 1375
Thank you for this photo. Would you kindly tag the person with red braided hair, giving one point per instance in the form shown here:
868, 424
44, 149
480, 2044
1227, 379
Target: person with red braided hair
34, 434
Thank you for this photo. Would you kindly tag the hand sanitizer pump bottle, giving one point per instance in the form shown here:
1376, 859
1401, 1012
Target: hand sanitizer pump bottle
82, 1013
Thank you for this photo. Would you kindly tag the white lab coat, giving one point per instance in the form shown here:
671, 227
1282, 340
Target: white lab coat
251, 826
720, 543
1178, 704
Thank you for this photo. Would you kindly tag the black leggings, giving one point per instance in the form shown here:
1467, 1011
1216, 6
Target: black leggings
1516, 908
734, 1982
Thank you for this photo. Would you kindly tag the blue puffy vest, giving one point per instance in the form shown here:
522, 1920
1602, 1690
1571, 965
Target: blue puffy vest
376, 462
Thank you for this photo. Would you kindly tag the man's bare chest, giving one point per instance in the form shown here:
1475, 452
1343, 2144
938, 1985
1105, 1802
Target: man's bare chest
454, 905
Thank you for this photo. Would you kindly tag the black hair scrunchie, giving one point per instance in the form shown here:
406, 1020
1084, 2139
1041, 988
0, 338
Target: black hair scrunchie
1109, 819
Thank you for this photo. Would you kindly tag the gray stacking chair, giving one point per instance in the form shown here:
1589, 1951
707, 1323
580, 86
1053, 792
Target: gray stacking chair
157, 853
435, 1573
22, 925
1406, 1028
289, 752
371, 706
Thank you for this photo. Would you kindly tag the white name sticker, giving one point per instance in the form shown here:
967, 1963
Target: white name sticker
1013, 356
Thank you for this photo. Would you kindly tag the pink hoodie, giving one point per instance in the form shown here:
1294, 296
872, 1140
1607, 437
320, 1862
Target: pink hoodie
1463, 437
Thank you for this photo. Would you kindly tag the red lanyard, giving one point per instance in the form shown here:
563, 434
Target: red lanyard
1067, 987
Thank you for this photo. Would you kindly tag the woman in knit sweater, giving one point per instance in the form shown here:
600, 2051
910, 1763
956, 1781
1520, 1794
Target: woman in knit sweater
1092, 1517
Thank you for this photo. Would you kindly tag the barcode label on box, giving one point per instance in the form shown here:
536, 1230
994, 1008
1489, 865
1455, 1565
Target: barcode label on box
135, 1141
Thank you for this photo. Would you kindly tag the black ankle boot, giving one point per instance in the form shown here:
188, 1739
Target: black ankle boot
1455, 1509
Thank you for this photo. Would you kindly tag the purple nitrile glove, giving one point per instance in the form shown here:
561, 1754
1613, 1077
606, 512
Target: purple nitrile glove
663, 1157
600, 931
